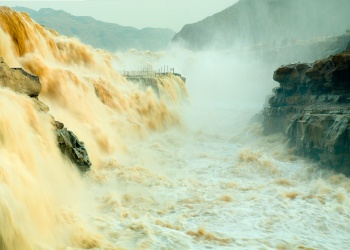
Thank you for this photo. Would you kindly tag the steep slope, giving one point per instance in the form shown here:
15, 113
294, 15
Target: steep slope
40, 191
311, 107
99, 34
252, 22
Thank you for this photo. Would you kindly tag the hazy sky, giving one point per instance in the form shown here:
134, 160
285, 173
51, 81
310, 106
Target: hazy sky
173, 14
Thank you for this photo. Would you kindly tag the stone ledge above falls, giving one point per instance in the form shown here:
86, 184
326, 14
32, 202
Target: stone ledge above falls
19, 80
312, 108
152, 80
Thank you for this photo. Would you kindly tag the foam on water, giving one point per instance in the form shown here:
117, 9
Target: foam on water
164, 176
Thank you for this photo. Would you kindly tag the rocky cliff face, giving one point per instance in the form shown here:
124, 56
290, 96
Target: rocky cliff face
21, 82
312, 107
267, 22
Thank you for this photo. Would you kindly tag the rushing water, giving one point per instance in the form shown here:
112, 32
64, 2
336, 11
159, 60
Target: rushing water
165, 175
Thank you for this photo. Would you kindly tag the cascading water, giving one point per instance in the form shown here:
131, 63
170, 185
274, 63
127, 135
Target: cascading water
92, 99
163, 176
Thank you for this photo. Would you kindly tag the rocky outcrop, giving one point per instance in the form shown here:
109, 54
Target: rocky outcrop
145, 82
18, 80
312, 107
70, 146
22, 82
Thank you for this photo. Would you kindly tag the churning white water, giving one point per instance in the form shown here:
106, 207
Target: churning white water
195, 175
213, 191
219, 183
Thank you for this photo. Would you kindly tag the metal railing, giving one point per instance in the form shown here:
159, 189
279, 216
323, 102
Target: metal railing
148, 72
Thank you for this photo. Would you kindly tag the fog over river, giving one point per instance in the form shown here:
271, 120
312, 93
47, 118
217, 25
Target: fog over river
184, 169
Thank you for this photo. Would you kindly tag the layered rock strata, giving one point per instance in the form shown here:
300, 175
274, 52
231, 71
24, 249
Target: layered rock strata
312, 107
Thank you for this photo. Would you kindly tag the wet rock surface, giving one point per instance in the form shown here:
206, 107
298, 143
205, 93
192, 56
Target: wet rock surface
312, 107
22, 82
70, 146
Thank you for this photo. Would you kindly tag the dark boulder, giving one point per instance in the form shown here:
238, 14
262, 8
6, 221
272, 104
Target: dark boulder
70, 146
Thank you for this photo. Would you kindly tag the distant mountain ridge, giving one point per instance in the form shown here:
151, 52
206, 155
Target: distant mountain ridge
252, 22
100, 34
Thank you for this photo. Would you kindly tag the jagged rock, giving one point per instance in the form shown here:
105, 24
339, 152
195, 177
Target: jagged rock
21, 82
325, 137
40, 105
18, 80
312, 108
331, 75
291, 76
70, 146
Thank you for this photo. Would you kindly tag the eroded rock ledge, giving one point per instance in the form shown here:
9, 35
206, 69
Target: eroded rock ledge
22, 82
312, 107
18, 80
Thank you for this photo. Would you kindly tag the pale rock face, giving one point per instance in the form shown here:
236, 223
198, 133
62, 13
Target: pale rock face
18, 80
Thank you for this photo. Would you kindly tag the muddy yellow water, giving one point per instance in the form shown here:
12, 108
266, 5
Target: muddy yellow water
166, 173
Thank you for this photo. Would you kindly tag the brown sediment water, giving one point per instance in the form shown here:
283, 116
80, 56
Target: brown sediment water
155, 183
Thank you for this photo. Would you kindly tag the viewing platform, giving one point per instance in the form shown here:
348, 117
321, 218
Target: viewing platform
148, 76
148, 72
165, 77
